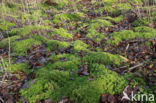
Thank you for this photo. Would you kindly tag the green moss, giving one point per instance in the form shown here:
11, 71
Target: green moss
21, 31
62, 32
9, 11
65, 57
18, 67
141, 32
139, 2
80, 45
116, 19
58, 18
63, 17
13, 67
5, 25
61, 3
117, 37
92, 29
98, 49
51, 44
148, 44
41, 89
141, 22
146, 32
102, 58
56, 84
36, 15
66, 65
144, 29
66, 62
45, 85
112, 6
90, 91
63, 44
26, 30
136, 81
5, 42
20, 47
55, 44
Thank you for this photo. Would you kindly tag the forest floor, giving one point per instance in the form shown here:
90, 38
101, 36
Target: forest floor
77, 51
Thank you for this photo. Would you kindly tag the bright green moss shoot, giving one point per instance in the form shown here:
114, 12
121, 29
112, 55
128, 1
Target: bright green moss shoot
141, 32
116, 19
18, 67
5, 25
80, 45
92, 29
102, 57
62, 32
63, 17
20, 47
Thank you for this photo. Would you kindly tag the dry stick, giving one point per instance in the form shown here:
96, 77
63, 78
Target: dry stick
124, 58
130, 69
141, 64
9, 51
1, 100
127, 48
121, 67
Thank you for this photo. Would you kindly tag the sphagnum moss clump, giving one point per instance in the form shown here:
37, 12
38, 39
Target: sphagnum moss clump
103, 58
64, 17
66, 57
80, 45
116, 9
18, 46
6, 25
140, 32
115, 19
51, 44
5, 42
56, 84
65, 62
26, 30
62, 33
60, 79
18, 67
93, 33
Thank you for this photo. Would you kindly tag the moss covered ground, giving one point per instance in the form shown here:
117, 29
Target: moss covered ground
76, 51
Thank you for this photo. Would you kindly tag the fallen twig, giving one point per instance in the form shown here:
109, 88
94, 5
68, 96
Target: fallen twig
1, 100
127, 48
124, 58
141, 64
132, 68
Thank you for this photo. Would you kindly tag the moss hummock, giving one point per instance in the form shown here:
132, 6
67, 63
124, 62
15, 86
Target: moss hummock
63, 17
102, 58
18, 46
80, 45
140, 32
18, 67
115, 19
5, 25
62, 32
93, 27
26, 30
56, 84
